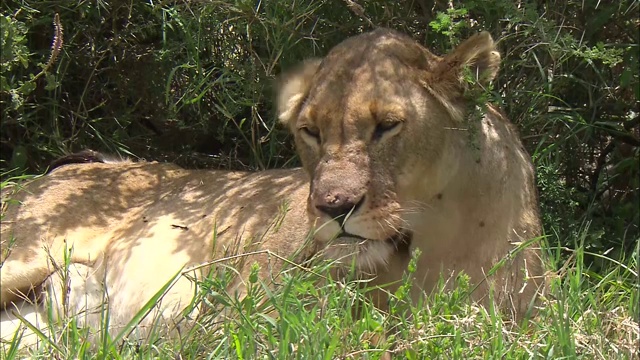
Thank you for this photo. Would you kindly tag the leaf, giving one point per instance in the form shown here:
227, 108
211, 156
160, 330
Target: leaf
27, 88
52, 82
19, 158
625, 78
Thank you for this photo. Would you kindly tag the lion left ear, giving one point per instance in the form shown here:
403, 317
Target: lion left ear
293, 87
477, 56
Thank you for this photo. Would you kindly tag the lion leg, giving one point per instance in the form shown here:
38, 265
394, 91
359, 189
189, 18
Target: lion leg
11, 326
24, 268
20, 278
74, 293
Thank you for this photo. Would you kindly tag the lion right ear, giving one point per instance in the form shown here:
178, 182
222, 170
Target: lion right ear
477, 54
293, 87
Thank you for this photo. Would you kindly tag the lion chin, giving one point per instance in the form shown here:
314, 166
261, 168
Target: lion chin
366, 256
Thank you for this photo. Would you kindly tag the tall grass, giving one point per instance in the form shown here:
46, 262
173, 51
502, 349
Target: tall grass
584, 316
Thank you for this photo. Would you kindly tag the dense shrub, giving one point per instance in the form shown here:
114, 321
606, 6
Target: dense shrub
191, 82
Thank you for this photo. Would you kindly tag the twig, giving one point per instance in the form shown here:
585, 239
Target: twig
56, 46
258, 252
359, 11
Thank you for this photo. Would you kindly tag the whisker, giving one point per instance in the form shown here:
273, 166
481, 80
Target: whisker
398, 220
382, 228
391, 225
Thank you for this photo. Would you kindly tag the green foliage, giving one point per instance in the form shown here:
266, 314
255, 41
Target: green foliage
450, 23
14, 54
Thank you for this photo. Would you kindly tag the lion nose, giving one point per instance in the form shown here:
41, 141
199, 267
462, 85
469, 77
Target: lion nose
339, 206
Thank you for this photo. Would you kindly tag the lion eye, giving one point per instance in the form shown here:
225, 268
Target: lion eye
311, 132
386, 127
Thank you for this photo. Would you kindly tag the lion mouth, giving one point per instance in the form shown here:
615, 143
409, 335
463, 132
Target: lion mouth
400, 241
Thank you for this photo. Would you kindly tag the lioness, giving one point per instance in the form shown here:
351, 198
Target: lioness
394, 159
386, 131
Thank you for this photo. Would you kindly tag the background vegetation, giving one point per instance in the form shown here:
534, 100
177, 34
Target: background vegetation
191, 82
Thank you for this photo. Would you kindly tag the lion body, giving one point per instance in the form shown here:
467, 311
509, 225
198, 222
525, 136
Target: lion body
394, 160
128, 228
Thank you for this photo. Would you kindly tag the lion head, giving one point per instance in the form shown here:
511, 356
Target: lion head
372, 124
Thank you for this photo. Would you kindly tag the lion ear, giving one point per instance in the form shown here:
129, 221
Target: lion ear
293, 87
477, 56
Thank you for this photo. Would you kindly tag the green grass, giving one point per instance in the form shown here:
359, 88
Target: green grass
585, 315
